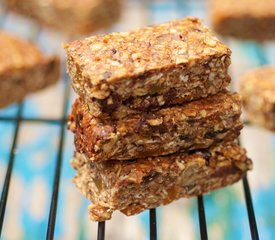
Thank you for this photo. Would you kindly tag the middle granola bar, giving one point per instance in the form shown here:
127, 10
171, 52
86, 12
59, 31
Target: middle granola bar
120, 74
195, 125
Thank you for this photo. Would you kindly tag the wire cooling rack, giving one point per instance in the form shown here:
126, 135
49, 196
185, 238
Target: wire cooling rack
101, 226
54, 199
19, 119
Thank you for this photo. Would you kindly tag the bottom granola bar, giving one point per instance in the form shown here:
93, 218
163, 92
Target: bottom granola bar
134, 186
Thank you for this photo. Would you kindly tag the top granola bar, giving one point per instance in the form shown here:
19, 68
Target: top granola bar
148, 61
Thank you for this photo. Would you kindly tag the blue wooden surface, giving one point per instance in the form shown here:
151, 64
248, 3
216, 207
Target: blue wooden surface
31, 186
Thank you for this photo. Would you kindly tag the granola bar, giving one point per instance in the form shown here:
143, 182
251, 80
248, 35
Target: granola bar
70, 17
246, 19
23, 69
257, 88
125, 73
197, 124
134, 186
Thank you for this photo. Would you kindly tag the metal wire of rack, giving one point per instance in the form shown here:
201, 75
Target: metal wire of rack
19, 119
101, 226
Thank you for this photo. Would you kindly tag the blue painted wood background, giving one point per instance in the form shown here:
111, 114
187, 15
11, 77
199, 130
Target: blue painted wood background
32, 179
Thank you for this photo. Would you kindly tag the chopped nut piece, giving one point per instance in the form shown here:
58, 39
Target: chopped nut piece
99, 214
155, 122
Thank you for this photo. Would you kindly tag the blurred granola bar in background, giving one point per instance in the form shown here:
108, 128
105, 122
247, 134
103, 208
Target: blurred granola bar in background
69, 16
23, 69
245, 19
257, 88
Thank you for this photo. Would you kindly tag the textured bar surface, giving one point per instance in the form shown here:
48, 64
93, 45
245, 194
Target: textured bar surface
121, 73
247, 19
133, 186
23, 69
71, 17
257, 88
195, 125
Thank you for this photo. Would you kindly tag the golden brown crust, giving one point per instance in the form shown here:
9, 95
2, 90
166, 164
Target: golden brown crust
246, 19
182, 55
23, 69
71, 17
197, 124
257, 88
133, 186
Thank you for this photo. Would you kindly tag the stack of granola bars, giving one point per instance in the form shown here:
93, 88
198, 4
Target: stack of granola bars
154, 121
